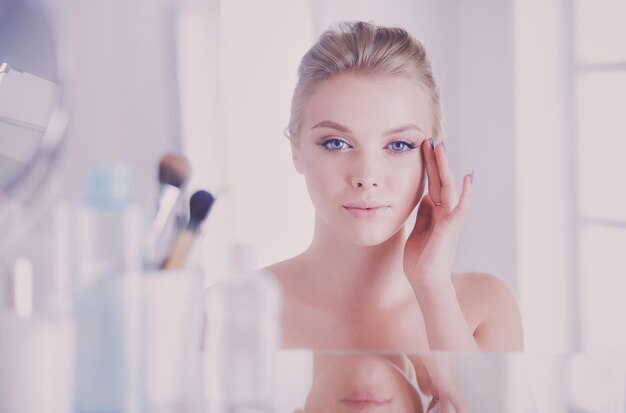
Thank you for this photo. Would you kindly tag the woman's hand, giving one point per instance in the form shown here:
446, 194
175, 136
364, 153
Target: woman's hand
447, 396
430, 248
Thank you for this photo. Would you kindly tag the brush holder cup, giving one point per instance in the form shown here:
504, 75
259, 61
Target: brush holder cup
138, 339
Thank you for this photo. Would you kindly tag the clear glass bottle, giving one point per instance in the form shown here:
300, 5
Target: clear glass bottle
242, 338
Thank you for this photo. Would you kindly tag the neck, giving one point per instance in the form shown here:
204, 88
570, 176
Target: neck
348, 273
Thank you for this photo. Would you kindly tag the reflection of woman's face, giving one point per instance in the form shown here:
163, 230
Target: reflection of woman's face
361, 383
359, 141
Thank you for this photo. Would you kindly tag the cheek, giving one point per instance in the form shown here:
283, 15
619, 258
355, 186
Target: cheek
323, 179
323, 171
410, 182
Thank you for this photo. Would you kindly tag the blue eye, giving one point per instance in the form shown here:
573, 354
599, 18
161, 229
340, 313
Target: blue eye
333, 144
402, 145
336, 145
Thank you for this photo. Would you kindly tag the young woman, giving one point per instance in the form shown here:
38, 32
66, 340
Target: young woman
366, 134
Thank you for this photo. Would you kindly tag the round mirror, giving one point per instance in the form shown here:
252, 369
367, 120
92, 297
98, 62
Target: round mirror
32, 124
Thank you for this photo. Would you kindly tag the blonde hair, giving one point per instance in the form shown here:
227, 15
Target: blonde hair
362, 48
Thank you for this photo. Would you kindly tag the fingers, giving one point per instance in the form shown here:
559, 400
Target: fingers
443, 406
450, 403
434, 183
441, 186
461, 209
423, 220
441, 181
458, 402
433, 409
448, 187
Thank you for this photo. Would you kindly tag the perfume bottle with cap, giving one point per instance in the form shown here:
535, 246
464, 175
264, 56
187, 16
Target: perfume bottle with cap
109, 226
108, 294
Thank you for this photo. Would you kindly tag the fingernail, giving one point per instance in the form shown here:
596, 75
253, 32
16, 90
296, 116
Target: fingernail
444, 148
432, 144
472, 177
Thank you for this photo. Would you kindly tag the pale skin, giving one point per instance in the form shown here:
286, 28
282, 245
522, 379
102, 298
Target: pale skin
362, 283
340, 381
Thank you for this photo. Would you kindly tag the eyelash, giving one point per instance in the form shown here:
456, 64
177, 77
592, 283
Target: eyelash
324, 144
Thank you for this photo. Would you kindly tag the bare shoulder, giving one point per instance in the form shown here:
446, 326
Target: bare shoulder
297, 318
280, 268
479, 284
276, 268
499, 327
284, 271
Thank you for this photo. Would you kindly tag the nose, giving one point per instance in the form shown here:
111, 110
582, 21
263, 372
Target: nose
365, 181
367, 175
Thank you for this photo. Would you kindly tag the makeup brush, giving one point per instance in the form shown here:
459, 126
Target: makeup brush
199, 206
174, 172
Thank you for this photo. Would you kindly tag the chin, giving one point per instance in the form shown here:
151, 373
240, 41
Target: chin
368, 237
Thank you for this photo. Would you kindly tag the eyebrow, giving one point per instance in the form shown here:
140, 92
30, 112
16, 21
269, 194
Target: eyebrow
341, 128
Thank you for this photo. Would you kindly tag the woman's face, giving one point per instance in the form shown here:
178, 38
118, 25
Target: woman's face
360, 143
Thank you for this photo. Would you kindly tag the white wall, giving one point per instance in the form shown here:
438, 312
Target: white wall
117, 66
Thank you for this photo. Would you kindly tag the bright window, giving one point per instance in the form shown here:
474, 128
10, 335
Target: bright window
600, 30
602, 272
601, 136
599, 77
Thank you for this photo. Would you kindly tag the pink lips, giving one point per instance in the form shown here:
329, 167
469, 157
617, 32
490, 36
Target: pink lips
365, 209
364, 401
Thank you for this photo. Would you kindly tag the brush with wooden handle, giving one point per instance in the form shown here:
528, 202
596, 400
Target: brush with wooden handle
174, 172
199, 206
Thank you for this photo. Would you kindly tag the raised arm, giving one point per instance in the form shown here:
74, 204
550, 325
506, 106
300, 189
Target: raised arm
428, 257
